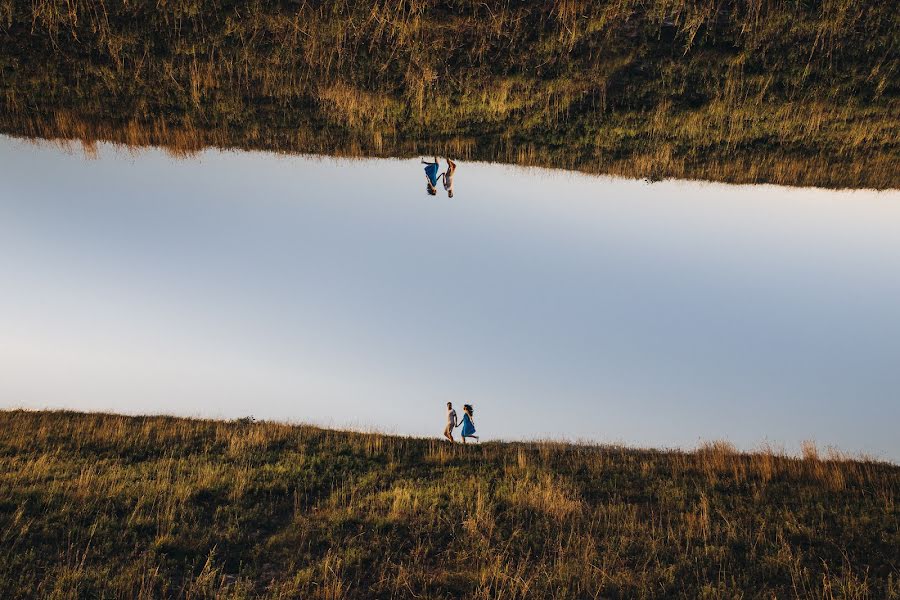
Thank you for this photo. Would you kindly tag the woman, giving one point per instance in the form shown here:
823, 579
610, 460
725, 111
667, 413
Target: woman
468, 425
431, 176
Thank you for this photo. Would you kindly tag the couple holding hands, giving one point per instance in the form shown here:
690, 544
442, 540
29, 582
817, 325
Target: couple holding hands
432, 175
468, 424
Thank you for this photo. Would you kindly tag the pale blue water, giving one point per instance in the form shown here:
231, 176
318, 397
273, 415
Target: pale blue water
560, 305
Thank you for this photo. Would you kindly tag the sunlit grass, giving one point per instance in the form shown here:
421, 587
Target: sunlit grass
797, 93
145, 507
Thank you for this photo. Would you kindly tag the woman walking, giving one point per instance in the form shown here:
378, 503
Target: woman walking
431, 176
468, 424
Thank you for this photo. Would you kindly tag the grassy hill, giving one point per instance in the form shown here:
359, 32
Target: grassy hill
144, 507
797, 92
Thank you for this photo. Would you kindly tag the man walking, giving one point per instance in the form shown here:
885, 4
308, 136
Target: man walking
451, 422
448, 177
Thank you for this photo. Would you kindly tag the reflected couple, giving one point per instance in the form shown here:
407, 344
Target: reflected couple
432, 176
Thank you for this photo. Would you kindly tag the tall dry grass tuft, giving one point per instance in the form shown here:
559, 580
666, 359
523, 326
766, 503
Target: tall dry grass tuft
354, 107
546, 494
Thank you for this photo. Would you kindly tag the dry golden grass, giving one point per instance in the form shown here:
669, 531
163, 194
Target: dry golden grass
745, 92
146, 507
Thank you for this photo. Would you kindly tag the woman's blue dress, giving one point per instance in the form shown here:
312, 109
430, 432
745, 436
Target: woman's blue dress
431, 171
468, 428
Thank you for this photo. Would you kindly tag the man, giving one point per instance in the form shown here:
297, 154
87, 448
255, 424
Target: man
451, 422
448, 177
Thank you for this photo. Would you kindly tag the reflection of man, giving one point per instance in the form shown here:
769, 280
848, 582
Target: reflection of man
431, 176
448, 177
451, 422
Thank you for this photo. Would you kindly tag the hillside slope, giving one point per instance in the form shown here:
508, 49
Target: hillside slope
797, 93
139, 507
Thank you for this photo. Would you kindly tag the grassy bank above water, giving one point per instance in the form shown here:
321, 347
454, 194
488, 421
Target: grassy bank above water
143, 507
781, 91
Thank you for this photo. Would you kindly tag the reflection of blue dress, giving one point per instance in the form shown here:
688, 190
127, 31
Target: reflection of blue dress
468, 428
431, 171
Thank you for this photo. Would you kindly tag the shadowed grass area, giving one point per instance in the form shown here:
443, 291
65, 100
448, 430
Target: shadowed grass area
111, 506
781, 91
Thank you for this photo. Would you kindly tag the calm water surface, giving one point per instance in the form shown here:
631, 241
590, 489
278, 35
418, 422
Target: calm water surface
338, 292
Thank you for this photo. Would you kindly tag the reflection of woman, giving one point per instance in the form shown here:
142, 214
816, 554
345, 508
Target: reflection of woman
448, 177
431, 176
468, 424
